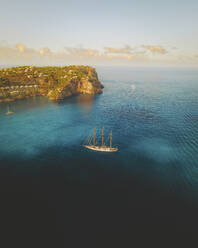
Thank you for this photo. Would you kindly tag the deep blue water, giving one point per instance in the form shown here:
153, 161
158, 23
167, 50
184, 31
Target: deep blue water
51, 184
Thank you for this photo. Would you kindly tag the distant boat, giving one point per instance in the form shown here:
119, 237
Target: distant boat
9, 112
94, 143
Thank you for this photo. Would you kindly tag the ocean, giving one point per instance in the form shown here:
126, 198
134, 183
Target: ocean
52, 187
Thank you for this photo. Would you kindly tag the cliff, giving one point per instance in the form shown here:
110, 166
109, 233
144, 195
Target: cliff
56, 83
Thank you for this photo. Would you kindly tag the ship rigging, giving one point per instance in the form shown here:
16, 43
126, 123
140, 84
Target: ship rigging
100, 143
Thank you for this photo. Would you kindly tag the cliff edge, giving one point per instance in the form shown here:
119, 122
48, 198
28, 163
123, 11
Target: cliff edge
56, 83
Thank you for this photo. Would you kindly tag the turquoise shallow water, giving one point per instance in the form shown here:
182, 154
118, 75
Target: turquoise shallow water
154, 118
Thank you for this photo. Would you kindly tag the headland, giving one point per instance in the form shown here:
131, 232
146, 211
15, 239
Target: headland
56, 83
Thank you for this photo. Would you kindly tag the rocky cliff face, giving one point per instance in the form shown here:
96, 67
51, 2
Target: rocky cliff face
57, 83
85, 84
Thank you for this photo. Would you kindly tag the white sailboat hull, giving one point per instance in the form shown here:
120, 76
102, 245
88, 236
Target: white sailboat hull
9, 113
101, 148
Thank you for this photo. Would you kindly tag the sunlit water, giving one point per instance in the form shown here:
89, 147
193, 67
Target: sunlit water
154, 118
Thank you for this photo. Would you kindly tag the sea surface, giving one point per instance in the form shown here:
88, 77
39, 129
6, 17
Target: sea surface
51, 186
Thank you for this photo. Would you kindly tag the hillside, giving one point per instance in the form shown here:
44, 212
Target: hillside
56, 83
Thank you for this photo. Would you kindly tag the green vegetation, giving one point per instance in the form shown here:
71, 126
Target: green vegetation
54, 82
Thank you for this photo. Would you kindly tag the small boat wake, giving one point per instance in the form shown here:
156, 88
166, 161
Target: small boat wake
133, 86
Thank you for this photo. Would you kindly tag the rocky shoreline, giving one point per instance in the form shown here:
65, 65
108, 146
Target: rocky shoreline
56, 83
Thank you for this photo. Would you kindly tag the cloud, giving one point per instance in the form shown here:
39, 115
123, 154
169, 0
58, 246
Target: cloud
45, 51
21, 47
83, 52
125, 50
155, 49
3, 43
90, 54
20, 54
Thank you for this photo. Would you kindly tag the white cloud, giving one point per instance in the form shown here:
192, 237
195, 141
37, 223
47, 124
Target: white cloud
21, 47
125, 50
21, 54
83, 52
45, 51
155, 49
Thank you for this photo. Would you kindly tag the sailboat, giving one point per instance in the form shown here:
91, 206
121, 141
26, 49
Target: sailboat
94, 143
9, 112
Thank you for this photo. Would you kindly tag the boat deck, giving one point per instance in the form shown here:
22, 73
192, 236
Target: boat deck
101, 148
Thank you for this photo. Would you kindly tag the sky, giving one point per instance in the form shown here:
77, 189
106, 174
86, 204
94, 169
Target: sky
98, 32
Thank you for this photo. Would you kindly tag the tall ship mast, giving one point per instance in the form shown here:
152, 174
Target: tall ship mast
8, 111
99, 142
